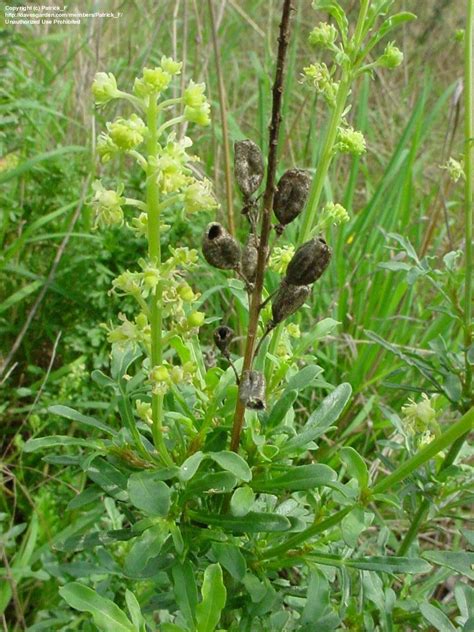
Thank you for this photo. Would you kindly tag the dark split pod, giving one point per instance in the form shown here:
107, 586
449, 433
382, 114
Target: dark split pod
223, 337
288, 299
291, 195
219, 248
248, 166
308, 262
252, 390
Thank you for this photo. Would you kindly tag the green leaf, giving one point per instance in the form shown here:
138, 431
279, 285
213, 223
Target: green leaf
18, 296
189, 468
390, 564
218, 482
106, 614
53, 441
280, 409
230, 557
73, 415
355, 466
253, 522
297, 478
214, 595
322, 329
242, 501
352, 526
148, 493
317, 600
145, 547
233, 463
459, 562
303, 378
394, 22
185, 591
437, 618
134, 609
323, 417
110, 478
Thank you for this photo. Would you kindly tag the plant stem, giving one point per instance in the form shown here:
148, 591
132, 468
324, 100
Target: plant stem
154, 251
225, 133
468, 201
327, 153
256, 298
450, 436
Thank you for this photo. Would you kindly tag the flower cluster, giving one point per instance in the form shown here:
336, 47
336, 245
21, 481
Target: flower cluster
323, 36
281, 257
350, 141
107, 205
391, 57
164, 376
335, 214
321, 78
455, 169
104, 88
419, 417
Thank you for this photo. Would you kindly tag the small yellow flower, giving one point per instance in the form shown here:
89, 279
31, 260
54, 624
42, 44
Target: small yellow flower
281, 257
104, 88
127, 134
455, 169
198, 196
171, 66
107, 205
323, 36
350, 141
153, 81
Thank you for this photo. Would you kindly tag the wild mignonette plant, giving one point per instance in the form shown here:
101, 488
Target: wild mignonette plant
204, 507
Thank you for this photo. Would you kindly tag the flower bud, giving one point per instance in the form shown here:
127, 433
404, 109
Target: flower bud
250, 259
248, 166
196, 319
223, 337
291, 195
219, 248
309, 262
252, 390
287, 300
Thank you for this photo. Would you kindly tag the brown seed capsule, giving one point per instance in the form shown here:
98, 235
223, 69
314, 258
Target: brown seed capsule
308, 262
219, 248
252, 390
249, 259
248, 166
291, 195
287, 300
223, 336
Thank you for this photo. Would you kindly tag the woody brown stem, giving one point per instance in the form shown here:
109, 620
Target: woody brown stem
256, 297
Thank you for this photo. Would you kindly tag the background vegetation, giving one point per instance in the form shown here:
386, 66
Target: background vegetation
55, 272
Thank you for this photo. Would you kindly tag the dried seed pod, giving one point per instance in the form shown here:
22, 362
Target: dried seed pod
223, 336
287, 300
252, 390
219, 248
249, 259
291, 195
308, 262
248, 166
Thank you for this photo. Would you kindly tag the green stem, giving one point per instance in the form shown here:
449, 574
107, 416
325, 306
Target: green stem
450, 436
154, 250
468, 202
327, 153
439, 444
